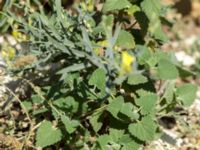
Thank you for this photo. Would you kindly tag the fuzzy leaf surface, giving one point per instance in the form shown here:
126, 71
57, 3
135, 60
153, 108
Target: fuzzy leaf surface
98, 79
111, 5
115, 106
70, 125
147, 103
187, 93
167, 70
144, 129
136, 79
125, 40
47, 135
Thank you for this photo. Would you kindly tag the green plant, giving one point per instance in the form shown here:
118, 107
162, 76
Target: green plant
111, 82
4, 5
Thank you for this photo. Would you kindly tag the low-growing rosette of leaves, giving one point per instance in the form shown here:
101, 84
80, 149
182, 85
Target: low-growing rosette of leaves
106, 60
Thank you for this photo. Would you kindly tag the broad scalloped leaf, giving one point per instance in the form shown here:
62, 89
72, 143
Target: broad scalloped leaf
103, 140
144, 54
136, 79
169, 92
66, 103
70, 125
27, 105
127, 110
115, 5
167, 70
152, 9
116, 134
115, 106
131, 10
131, 146
187, 93
151, 6
98, 79
144, 130
96, 122
128, 143
147, 103
107, 143
47, 135
125, 40
37, 99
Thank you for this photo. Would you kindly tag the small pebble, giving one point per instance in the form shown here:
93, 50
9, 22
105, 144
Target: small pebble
1, 39
11, 40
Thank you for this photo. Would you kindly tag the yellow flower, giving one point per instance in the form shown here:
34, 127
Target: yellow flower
16, 34
8, 54
103, 43
127, 61
88, 6
19, 36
